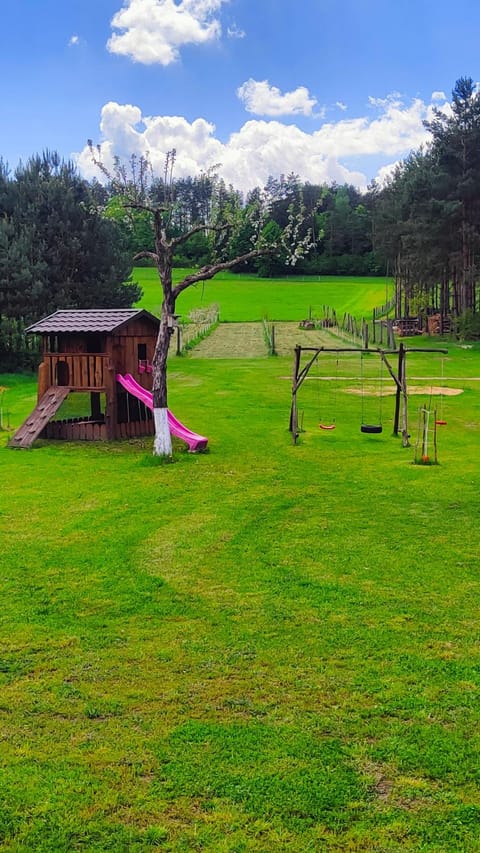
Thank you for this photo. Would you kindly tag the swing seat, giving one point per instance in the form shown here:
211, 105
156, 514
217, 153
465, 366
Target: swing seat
441, 423
371, 429
327, 426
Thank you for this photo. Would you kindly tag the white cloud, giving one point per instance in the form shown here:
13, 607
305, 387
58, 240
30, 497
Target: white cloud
439, 96
386, 172
396, 130
235, 32
261, 148
341, 105
153, 31
263, 99
73, 41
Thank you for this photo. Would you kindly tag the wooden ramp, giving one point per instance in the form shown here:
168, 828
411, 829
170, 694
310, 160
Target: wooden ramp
37, 421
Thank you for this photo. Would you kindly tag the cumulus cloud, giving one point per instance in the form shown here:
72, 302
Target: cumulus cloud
262, 148
153, 31
396, 129
73, 41
263, 99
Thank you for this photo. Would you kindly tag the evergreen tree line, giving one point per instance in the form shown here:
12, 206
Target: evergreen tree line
427, 218
57, 250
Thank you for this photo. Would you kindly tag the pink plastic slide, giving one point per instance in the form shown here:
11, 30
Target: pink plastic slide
195, 442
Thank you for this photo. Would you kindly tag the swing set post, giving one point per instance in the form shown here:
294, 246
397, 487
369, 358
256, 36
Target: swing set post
400, 386
293, 426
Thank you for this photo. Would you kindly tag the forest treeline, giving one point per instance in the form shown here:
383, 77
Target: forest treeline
68, 242
57, 250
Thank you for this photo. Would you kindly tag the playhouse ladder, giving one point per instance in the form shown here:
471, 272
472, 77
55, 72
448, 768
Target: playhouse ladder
39, 418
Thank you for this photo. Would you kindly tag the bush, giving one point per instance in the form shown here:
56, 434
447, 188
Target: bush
468, 326
18, 352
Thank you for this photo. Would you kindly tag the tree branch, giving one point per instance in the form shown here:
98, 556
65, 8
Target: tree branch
139, 205
177, 241
205, 273
150, 255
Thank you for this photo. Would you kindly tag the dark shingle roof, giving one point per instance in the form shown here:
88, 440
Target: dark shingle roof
104, 320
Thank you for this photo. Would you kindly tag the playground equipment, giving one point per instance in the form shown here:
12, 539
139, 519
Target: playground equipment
83, 352
426, 443
399, 377
331, 422
195, 441
370, 428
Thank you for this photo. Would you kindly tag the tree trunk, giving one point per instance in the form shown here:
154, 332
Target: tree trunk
162, 445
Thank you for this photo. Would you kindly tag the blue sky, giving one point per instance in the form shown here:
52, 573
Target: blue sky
329, 89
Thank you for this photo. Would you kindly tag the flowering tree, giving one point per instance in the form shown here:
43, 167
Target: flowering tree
137, 191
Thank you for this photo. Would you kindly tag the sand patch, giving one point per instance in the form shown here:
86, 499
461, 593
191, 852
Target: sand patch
423, 390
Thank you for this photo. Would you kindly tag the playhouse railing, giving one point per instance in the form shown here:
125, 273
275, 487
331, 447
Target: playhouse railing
78, 371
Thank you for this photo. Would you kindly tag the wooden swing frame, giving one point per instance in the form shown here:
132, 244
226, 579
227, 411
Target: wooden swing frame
399, 377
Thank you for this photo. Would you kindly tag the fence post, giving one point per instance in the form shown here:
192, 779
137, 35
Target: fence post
365, 334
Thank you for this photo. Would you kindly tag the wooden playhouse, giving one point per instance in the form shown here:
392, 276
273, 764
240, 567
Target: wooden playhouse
83, 351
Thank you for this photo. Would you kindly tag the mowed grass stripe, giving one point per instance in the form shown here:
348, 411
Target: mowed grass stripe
246, 340
239, 340
288, 335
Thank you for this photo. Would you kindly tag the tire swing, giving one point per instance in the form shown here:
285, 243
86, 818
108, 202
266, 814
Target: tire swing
369, 428
331, 425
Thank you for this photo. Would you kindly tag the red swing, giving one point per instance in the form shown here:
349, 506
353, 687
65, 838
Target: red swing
332, 425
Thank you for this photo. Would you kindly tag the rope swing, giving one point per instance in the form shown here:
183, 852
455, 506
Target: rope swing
333, 401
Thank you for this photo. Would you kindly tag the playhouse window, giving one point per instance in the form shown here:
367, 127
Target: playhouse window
142, 352
95, 343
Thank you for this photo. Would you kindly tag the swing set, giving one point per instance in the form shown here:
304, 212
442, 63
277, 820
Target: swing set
399, 376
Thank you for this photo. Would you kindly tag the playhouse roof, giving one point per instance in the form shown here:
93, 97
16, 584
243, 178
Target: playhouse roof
103, 320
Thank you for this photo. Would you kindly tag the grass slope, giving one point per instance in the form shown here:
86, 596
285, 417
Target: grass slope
247, 298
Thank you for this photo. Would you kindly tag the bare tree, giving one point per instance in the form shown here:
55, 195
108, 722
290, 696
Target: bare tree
132, 184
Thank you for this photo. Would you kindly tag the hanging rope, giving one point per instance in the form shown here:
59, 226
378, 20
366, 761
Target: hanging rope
333, 400
371, 429
441, 420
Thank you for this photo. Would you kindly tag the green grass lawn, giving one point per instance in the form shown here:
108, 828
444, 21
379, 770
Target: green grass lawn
246, 298
262, 648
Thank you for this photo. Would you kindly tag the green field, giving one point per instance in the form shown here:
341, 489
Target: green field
261, 648
246, 298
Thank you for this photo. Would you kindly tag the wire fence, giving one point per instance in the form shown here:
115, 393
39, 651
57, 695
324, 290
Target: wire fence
200, 323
